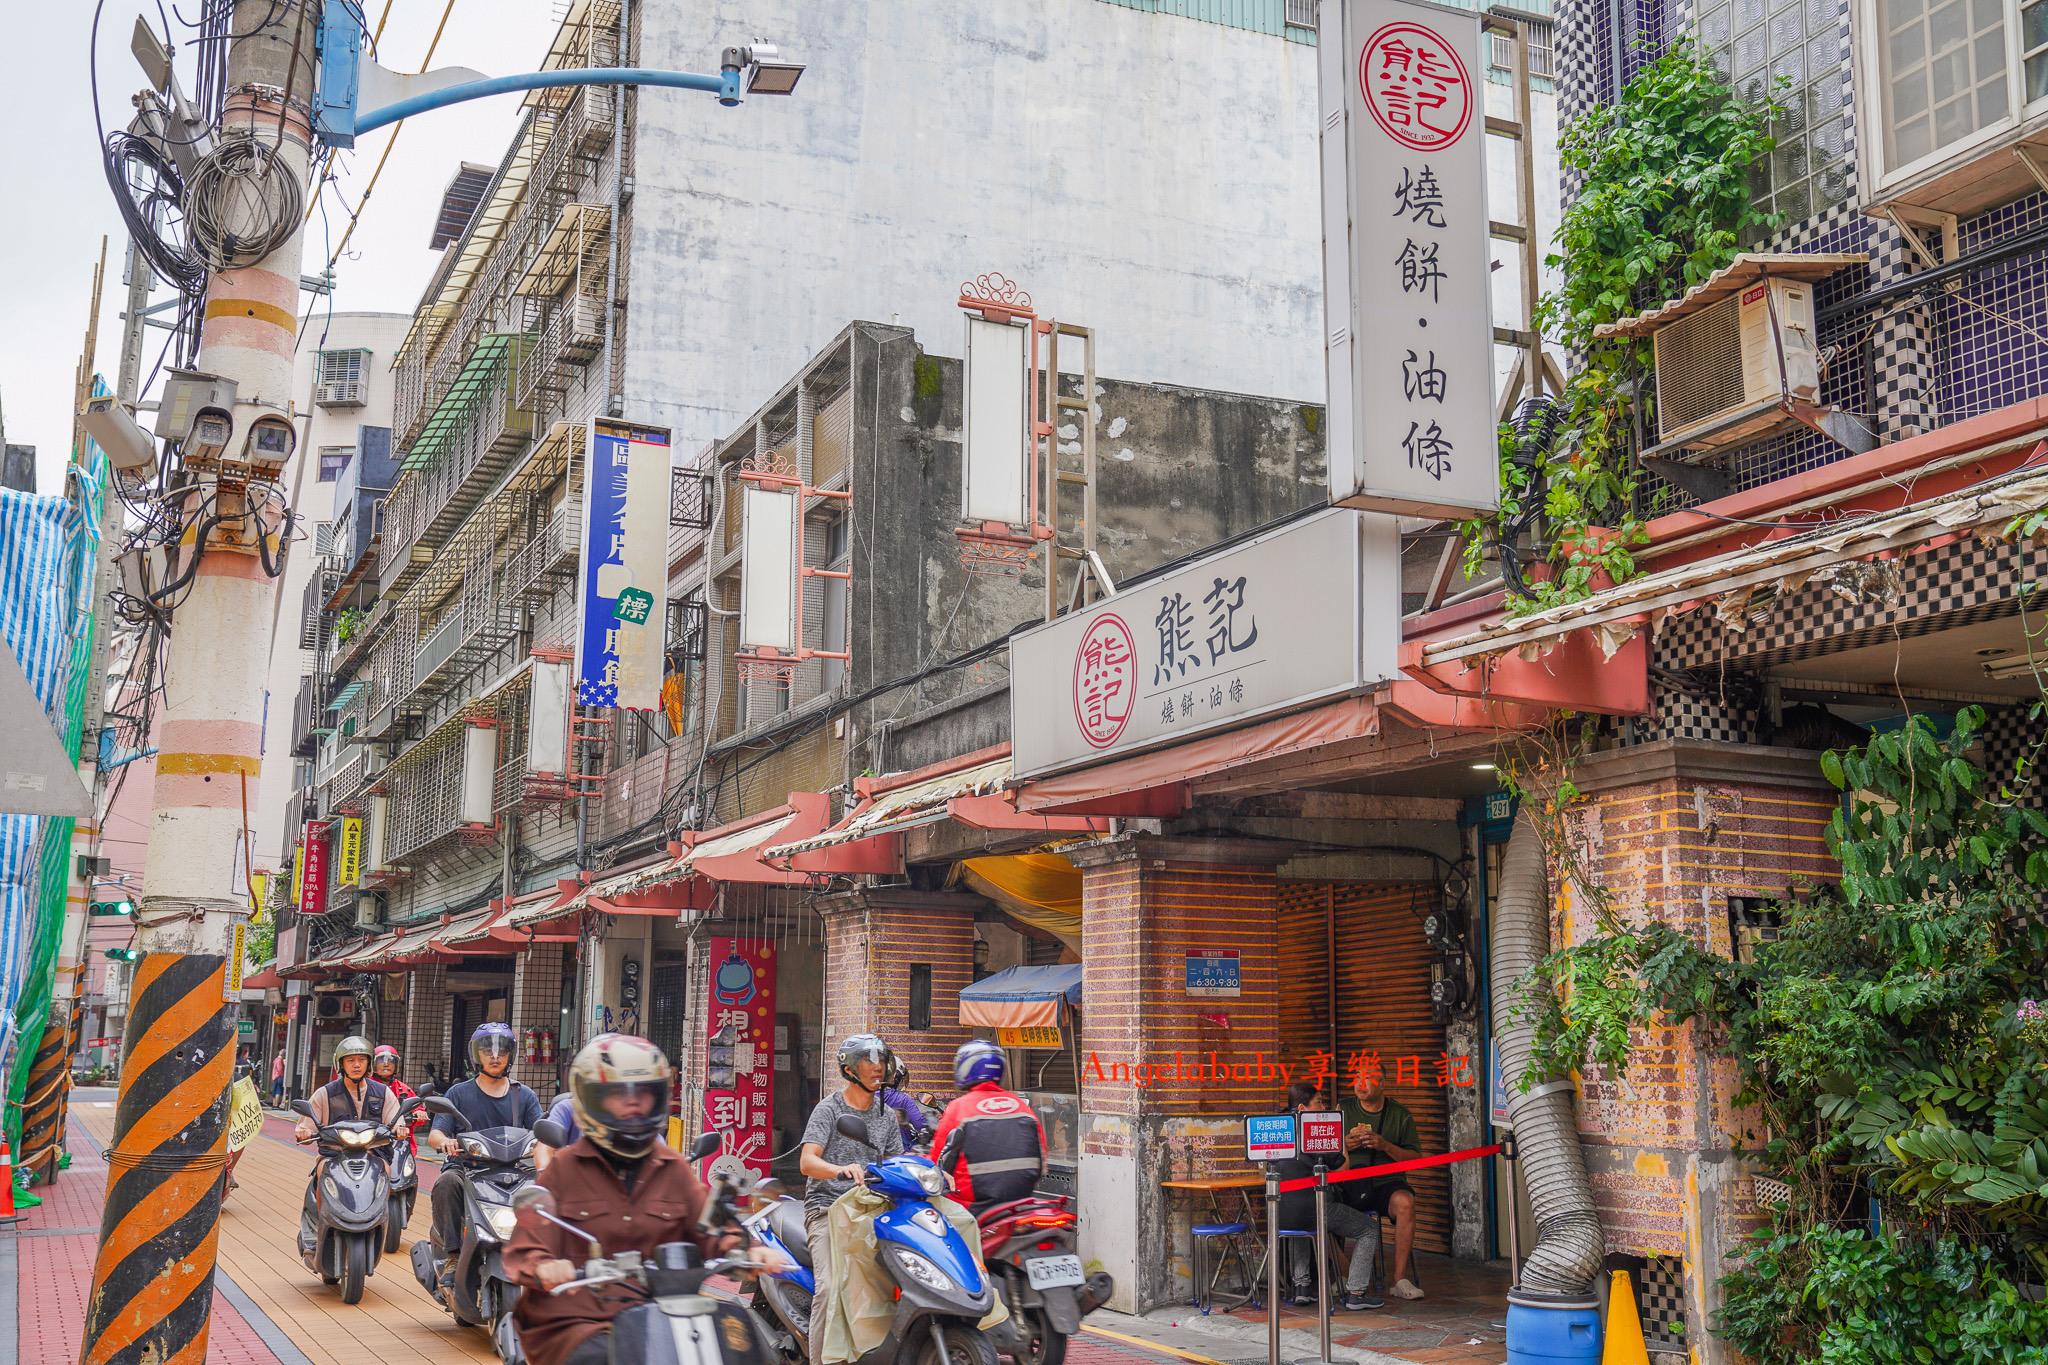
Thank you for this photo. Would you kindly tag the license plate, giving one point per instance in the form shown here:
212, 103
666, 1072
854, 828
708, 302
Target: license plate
1050, 1272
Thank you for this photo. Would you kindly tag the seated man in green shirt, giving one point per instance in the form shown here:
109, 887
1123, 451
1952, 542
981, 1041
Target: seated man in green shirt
1379, 1129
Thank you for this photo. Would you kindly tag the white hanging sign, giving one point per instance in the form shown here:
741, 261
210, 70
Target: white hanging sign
1407, 260
622, 592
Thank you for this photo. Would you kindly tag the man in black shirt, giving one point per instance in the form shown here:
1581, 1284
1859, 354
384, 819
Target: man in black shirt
490, 1099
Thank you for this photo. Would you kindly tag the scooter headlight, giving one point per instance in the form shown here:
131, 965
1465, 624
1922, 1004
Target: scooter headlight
502, 1221
924, 1272
476, 1147
930, 1181
355, 1139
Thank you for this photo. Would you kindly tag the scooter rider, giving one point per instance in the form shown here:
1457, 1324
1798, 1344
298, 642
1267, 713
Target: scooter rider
352, 1094
490, 1099
622, 1185
989, 1140
384, 1069
835, 1163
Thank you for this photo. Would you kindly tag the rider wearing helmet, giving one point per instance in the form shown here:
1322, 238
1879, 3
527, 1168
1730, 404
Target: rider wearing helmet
384, 1069
352, 1094
910, 1115
489, 1099
836, 1163
988, 1140
629, 1189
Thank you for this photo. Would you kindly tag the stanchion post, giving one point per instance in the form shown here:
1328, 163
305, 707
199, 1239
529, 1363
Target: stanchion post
1507, 1149
1322, 1260
1272, 1263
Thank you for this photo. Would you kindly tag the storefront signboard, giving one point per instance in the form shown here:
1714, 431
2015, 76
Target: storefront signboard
348, 864
313, 867
622, 592
1298, 615
1028, 1037
1407, 264
291, 1010
1322, 1134
739, 1055
245, 1028
1212, 972
1269, 1137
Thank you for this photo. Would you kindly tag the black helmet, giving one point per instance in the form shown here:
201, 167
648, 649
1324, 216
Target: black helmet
865, 1047
613, 1066
493, 1038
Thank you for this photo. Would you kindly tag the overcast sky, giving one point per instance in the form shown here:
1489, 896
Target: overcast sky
57, 205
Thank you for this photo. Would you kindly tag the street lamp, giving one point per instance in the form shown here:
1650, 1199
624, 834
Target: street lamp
765, 75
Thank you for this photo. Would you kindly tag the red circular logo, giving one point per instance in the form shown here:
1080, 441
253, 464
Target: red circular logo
1105, 680
1416, 85
997, 1104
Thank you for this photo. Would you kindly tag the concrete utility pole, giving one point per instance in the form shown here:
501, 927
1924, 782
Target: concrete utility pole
153, 1278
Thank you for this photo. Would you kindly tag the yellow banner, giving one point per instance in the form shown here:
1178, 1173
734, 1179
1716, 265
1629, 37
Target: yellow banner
245, 1114
298, 871
1028, 1037
351, 868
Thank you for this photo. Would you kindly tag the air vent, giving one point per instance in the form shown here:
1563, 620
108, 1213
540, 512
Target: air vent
1699, 366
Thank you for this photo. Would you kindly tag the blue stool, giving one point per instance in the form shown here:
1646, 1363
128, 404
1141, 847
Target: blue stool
1207, 1273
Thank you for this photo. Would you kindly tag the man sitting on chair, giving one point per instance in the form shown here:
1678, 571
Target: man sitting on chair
1378, 1129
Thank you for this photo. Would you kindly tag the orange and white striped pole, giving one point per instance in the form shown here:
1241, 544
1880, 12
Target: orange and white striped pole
152, 1286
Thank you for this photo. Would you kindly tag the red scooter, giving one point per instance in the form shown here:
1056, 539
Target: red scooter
1028, 1247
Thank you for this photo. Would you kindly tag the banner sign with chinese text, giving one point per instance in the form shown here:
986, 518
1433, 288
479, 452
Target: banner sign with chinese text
622, 583
739, 1058
1304, 613
1407, 260
348, 865
313, 872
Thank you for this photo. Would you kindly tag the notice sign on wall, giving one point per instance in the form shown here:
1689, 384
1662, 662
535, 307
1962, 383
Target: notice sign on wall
739, 1058
622, 587
1212, 972
1028, 1037
1406, 260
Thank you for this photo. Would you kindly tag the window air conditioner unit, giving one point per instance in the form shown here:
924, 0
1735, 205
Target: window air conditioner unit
333, 1006
369, 909
348, 394
1725, 373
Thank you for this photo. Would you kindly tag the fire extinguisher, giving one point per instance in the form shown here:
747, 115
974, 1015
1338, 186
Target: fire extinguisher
547, 1047
531, 1046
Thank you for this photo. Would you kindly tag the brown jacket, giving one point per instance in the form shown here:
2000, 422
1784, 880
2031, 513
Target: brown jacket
664, 1207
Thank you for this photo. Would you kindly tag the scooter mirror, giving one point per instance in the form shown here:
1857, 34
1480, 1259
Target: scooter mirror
302, 1107
424, 1089
534, 1198
851, 1127
550, 1134
707, 1144
437, 1104
769, 1190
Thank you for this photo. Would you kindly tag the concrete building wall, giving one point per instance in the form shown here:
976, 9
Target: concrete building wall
1091, 152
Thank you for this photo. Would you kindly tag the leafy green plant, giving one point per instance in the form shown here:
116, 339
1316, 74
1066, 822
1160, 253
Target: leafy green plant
349, 624
1663, 201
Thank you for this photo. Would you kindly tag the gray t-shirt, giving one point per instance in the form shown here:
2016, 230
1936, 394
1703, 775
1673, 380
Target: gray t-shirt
884, 1137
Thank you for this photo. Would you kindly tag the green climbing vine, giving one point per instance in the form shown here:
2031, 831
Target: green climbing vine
1663, 201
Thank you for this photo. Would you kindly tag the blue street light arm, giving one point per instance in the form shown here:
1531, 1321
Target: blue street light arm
726, 87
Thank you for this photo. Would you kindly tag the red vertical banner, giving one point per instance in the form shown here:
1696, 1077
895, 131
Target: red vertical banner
739, 1057
313, 894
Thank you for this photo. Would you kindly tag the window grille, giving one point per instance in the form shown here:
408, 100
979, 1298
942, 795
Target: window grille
1301, 13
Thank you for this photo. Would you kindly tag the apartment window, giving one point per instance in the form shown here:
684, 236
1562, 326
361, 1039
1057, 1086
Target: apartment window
334, 459
920, 996
1946, 75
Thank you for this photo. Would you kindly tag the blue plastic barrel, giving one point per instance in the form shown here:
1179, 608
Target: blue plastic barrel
1547, 1330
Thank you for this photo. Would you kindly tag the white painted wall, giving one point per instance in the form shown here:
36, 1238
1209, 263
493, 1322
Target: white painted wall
1150, 175
379, 333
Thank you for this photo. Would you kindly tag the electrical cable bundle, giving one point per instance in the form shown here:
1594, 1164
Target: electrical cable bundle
244, 202
150, 196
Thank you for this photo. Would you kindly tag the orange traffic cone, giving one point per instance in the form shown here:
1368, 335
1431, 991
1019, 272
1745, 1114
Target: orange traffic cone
1624, 1344
7, 1213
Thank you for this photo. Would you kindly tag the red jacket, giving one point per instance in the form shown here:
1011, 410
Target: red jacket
1000, 1145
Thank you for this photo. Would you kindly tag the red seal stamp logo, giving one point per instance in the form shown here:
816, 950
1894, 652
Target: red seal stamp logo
1416, 85
1105, 680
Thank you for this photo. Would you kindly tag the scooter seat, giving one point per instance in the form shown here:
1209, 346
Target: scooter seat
787, 1222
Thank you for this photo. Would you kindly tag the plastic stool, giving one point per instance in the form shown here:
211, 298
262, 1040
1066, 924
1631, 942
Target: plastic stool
1206, 1273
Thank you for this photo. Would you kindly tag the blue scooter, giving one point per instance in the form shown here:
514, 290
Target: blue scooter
944, 1291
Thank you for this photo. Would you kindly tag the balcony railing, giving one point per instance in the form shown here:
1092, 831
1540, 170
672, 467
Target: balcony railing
314, 622
480, 623
309, 714
537, 568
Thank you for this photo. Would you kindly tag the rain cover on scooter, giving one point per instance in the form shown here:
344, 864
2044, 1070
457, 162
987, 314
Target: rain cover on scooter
863, 1302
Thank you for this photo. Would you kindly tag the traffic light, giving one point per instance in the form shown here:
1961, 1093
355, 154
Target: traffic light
122, 907
124, 954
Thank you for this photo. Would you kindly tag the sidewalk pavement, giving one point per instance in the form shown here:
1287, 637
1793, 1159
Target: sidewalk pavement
270, 1310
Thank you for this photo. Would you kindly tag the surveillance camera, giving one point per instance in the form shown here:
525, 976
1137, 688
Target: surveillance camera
211, 430
271, 442
110, 424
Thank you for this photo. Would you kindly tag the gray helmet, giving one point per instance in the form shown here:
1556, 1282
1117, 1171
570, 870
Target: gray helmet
859, 1047
351, 1046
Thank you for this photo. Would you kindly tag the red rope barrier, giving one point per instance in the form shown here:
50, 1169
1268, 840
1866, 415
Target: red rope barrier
1308, 1182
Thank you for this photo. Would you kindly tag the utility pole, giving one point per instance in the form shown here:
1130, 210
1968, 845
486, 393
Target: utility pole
152, 1285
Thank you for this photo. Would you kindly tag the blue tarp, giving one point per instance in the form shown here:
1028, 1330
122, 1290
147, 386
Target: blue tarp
1055, 981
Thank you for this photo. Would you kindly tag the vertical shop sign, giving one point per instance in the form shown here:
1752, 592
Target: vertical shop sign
1406, 261
313, 871
348, 868
622, 592
739, 1057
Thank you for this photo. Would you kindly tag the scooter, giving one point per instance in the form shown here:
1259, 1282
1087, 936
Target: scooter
492, 1165
405, 1186
782, 1300
680, 1324
343, 1239
1028, 1247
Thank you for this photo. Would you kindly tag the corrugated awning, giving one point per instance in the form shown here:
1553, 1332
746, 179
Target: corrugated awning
922, 803
1021, 997
1740, 273
1730, 581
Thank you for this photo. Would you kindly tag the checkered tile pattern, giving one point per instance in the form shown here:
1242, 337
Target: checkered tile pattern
2009, 736
1661, 1301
